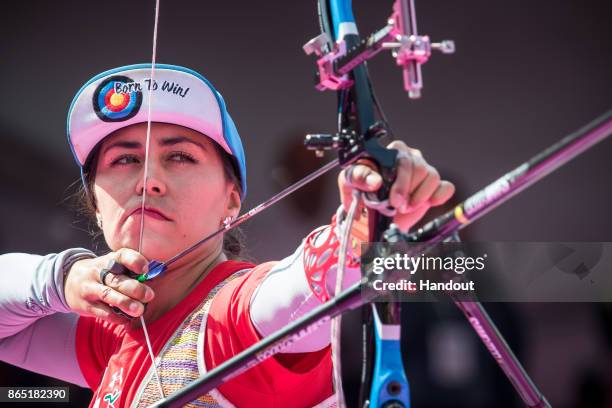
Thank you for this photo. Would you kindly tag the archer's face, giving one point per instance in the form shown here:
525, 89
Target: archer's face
187, 194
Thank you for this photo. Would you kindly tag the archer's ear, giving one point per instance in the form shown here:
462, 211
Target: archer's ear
233, 201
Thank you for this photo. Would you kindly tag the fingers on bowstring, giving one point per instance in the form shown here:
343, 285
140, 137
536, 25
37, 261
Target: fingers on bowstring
93, 306
132, 260
137, 263
129, 287
112, 297
104, 312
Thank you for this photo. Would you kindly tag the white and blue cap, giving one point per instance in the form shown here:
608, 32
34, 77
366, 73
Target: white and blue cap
120, 97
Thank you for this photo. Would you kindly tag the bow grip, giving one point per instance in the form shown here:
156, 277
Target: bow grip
384, 158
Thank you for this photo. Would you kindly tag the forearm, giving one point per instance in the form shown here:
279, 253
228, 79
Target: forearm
32, 287
300, 283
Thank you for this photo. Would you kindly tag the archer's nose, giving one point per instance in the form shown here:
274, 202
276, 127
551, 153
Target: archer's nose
155, 183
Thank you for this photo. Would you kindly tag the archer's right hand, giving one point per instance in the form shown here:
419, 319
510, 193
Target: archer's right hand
87, 296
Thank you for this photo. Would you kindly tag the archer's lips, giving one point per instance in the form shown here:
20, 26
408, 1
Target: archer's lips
151, 212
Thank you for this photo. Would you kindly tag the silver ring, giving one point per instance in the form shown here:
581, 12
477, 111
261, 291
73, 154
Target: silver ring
115, 268
103, 274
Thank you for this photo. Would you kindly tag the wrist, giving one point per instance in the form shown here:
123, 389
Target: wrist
359, 229
68, 263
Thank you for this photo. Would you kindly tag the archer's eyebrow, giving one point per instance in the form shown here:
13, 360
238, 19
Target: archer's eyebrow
171, 141
126, 144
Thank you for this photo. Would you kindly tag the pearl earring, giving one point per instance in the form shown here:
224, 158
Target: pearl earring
227, 221
99, 221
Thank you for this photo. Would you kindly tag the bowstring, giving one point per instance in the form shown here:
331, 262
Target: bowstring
144, 189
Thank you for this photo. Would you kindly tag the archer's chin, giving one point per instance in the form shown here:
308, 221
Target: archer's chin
158, 248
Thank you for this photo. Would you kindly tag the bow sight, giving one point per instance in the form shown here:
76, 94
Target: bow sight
410, 50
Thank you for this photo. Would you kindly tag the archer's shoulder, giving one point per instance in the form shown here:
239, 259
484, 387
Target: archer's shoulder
241, 280
242, 275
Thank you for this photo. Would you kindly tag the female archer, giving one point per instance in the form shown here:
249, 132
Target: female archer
162, 166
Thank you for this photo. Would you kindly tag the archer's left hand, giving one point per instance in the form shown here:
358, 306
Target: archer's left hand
417, 187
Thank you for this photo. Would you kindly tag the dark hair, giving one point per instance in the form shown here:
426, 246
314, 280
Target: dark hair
233, 240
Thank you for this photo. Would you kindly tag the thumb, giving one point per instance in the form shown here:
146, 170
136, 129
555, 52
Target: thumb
360, 177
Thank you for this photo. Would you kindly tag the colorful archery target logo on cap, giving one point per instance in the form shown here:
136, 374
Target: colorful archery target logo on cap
116, 99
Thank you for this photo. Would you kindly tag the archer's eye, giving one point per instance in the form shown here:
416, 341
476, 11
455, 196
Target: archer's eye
181, 157
125, 159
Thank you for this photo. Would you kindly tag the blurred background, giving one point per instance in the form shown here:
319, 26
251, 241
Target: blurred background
525, 74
